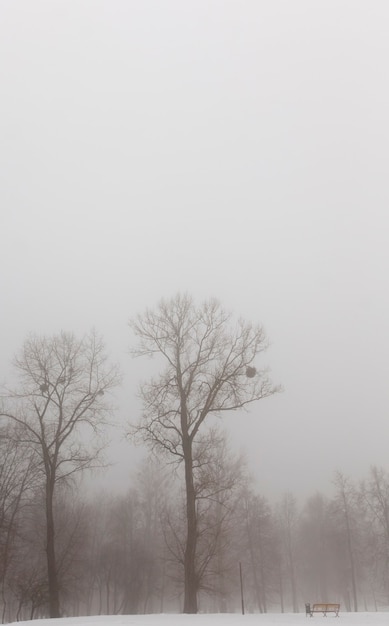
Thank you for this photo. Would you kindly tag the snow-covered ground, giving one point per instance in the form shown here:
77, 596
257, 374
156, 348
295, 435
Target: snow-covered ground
227, 619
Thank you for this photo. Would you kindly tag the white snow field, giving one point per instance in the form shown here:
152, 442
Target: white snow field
220, 619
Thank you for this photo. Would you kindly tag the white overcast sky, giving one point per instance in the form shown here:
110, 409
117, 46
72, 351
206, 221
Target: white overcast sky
236, 149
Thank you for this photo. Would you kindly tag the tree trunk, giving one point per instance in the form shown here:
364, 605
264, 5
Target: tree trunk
253, 564
190, 578
50, 550
293, 582
345, 496
291, 569
351, 557
281, 588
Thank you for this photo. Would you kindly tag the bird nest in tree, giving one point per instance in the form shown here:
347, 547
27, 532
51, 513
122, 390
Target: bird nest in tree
250, 371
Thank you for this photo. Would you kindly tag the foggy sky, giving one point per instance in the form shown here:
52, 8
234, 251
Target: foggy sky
236, 149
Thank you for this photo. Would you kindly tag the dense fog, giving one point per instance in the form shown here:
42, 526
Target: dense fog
206, 149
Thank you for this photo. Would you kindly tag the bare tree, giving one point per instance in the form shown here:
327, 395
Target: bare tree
58, 405
345, 508
287, 517
374, 503
208, 369
152, 484
17, 478
261, 546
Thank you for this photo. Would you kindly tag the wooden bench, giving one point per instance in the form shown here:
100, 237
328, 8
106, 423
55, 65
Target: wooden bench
322, 607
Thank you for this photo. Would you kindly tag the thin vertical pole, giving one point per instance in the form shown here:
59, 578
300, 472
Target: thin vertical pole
241, 586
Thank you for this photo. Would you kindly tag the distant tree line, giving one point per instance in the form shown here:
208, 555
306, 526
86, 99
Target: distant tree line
124, 554
191, 515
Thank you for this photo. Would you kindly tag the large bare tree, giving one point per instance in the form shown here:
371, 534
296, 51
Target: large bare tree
60, 408
209, 367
